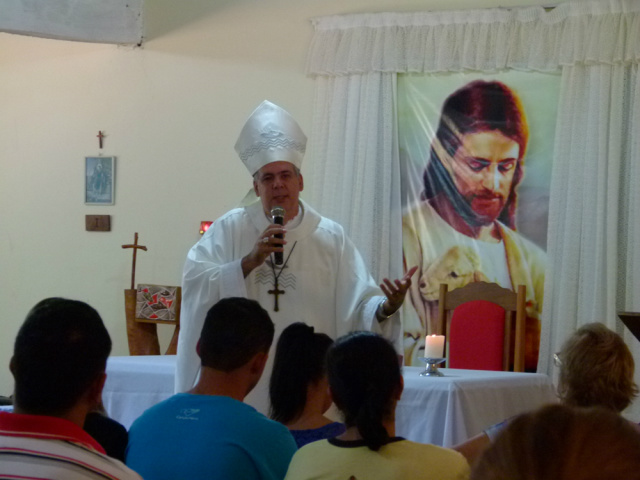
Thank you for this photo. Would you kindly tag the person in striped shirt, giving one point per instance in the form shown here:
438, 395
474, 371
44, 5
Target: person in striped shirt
58, 364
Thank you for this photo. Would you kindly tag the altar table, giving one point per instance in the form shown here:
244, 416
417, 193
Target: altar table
448, 410
440, 410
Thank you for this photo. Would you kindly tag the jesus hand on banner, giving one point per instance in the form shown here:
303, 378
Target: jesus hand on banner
395, 292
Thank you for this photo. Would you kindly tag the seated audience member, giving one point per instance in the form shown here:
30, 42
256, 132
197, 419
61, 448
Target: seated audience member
58, 364
560, 442
209, 432
299, 389
366, 383
596, 369
110, 434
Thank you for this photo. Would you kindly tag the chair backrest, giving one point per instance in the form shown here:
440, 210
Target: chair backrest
479, 331
476, 336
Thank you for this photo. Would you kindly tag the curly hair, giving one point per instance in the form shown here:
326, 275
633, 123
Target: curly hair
597, 369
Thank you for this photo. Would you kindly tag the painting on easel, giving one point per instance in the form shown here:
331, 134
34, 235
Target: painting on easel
100, 175
156, 302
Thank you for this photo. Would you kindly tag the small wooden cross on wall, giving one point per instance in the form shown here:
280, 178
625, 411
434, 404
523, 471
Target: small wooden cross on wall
135, 247
100, 137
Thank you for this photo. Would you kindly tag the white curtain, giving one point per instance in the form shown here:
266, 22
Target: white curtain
356, 172
589, 32
594, 225
594, 220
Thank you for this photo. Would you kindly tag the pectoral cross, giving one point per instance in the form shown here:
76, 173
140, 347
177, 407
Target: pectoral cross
135, 247
275, 292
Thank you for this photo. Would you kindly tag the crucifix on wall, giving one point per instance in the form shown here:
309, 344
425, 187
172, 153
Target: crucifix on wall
100, 137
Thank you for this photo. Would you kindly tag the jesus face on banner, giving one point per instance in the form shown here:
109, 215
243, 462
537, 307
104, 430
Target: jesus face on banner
461, 223
482, 171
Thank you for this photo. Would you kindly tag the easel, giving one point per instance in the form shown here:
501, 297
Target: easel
142, 333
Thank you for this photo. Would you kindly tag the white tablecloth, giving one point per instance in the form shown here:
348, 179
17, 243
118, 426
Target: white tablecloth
439, 410
137, 383
449, 410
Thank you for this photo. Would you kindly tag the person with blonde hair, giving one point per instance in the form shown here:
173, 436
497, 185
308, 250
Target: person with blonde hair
596, 370
560, 442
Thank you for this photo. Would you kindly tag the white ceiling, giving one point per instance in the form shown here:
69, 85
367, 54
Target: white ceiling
99, 21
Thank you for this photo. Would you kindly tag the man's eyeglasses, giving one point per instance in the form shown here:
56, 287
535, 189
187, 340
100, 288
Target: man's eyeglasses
556, 360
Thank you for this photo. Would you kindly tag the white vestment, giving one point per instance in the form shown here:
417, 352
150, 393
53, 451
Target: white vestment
326, 284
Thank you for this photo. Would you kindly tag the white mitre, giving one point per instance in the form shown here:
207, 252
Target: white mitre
270, 135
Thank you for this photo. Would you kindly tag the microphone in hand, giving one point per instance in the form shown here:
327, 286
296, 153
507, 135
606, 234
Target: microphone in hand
277, 215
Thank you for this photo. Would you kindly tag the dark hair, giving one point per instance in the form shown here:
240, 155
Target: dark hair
597, 369
60, 349
364, 376
478, 106
299, 362
563, 443
234, 330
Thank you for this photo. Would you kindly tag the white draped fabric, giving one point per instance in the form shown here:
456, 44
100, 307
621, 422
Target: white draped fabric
356, 171
594, 220
594, 214
589, 32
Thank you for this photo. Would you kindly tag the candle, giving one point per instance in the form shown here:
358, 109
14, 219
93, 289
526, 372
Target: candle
434, 346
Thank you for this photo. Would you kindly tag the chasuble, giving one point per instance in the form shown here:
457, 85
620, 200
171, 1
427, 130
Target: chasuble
325, 283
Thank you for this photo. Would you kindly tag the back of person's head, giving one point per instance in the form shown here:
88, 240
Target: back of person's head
299, 362
60, 350
365, 381
235, 330
560, 442
596, 369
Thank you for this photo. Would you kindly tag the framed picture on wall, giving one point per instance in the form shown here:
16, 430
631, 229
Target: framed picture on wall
100, 179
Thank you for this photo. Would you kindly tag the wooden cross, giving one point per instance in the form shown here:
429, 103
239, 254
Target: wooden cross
100, 137
275, 292
135, 247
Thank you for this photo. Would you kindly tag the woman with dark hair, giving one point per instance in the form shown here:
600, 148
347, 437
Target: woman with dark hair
366, 384
298, 389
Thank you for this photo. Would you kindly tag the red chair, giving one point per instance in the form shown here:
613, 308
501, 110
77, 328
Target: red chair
479, 325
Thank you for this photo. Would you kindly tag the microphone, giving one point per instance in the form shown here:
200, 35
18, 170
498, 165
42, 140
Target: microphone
277, 214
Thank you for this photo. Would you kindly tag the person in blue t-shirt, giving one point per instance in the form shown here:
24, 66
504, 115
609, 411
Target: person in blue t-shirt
209, 432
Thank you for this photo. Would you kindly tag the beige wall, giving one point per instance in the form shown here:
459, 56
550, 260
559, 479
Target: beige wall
171, 112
